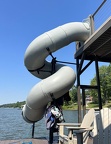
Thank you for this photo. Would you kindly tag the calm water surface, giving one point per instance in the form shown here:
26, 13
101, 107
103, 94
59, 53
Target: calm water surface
12, 125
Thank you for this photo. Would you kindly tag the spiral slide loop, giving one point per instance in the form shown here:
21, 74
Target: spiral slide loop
64, 77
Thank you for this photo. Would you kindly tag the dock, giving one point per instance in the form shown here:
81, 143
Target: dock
32, 141
25, 141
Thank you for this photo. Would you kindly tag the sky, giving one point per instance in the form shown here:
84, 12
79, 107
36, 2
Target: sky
21, 21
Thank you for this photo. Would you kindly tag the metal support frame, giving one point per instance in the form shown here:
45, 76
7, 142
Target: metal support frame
83, 102
84, 87
33, 128
78, 92
80, 71
98, 84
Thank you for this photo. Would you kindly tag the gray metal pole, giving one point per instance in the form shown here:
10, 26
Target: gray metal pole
98, 85
33, 127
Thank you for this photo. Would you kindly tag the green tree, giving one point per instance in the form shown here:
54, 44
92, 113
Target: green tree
105, 84
108, 78
93, 92
73, 94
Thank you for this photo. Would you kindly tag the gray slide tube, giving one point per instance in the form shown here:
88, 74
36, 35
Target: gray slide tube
35, 61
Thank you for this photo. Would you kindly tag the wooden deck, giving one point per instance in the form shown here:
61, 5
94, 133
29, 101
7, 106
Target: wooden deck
31, 141
25, 141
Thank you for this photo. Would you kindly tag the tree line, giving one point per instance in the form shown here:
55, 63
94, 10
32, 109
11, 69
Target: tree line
13, 105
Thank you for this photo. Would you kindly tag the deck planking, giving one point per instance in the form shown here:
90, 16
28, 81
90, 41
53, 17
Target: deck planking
23, 141
34, 141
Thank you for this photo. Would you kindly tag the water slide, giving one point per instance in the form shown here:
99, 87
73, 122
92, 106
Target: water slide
52, 84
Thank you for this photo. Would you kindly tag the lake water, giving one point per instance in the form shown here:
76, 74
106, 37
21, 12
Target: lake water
12, 125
